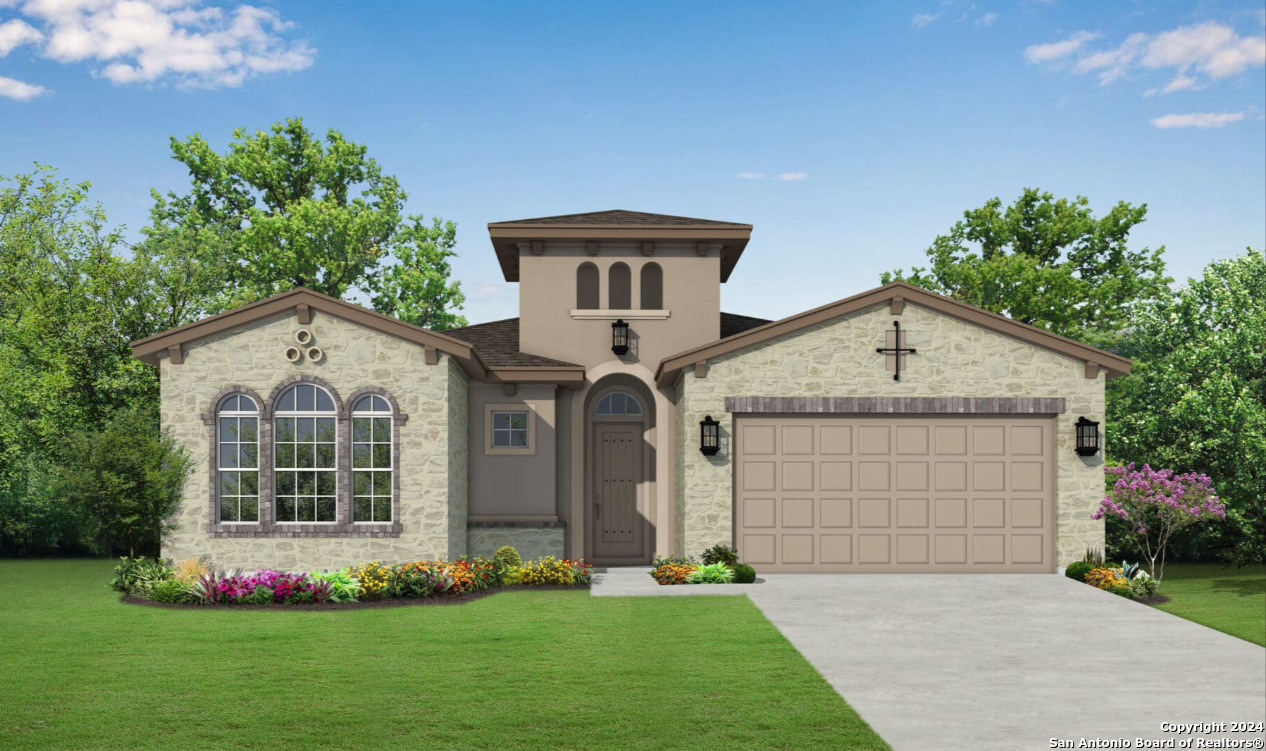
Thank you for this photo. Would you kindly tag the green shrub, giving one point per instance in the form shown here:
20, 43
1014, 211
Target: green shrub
743, 573
672, 560
137, 576
712, 573
1079, 570
508, 557
343, 586
1123, 590
1143, 585
172, 591
720, 554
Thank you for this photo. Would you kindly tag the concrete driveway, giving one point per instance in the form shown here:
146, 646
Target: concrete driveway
1002, 661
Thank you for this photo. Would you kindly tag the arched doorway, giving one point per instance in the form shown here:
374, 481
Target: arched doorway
621, 464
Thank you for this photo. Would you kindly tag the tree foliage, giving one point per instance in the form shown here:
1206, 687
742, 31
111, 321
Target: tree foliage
1046, 262
1196, 399
126, 479
68, 308
282, 208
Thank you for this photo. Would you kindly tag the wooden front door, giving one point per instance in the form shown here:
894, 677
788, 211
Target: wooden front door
617, 523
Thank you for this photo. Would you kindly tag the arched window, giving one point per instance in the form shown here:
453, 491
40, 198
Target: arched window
237, 462
587, 287
652, 287
305, 455
619, 292
618, 403
372, 460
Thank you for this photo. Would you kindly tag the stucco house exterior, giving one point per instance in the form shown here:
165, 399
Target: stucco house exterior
624, 415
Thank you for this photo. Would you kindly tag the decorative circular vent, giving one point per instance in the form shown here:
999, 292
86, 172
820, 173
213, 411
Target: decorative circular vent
315, 354
303, 336
294, 354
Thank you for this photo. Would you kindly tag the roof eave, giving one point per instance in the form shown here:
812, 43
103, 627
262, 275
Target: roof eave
504, 236
150, 348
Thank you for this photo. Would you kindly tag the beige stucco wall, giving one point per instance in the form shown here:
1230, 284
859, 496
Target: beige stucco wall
838, 358
430, 452
513, 484
547, 295
531, 542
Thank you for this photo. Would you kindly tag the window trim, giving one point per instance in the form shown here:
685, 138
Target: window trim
266, 528
216, 468
338, 414
530, 449
393, 438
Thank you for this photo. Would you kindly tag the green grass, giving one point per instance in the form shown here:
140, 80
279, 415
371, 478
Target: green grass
517, 670
1231, 600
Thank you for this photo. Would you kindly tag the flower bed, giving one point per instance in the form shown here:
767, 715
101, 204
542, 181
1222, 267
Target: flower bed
193, 582
719, 565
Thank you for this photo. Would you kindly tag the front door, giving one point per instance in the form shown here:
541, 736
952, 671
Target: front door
617, 524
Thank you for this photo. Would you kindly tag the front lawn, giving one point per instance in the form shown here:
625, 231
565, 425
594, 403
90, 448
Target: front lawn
517, 669
1231, 600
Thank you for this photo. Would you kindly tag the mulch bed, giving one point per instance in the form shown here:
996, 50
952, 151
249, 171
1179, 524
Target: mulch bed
1155, 599
387, 603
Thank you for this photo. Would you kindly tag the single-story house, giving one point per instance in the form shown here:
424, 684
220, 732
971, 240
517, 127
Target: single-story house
624, 415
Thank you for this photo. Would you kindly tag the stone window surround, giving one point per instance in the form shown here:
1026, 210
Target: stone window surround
267, 526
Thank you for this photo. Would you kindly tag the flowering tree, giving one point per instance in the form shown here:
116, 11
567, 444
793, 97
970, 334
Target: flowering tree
1157, 503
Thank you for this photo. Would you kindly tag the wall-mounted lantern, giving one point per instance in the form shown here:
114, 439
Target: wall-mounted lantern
1087, 437
620, 338
709, 436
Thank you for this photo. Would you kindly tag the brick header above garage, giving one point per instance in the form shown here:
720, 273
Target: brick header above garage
896, 405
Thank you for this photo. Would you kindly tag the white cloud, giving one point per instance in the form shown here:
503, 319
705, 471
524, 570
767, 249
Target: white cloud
1209, 49
751, 175
1044, 53
15, 33
142, 41
989, 19
1199, 120
922, 20
793, 176
18, 90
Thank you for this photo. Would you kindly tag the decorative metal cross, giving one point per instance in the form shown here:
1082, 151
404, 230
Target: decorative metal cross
896, 350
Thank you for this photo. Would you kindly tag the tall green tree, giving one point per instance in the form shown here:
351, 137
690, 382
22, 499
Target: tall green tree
68, 308
1196, 399
1047, 262
282, 208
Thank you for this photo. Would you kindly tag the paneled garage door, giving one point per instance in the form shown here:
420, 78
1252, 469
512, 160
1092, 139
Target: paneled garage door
894, 494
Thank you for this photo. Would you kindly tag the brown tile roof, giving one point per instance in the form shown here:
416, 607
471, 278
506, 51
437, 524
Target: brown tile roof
619, 217
497, 344
733, 323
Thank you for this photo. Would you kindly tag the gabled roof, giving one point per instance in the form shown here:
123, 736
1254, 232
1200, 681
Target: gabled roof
620, 217
305, 300
616, 224
897, 294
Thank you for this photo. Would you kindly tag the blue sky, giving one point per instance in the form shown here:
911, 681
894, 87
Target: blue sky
872, 127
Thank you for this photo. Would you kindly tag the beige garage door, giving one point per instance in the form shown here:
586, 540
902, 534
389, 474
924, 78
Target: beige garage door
894, 494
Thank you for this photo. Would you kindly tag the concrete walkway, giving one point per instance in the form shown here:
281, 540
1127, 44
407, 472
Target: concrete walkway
1000, 661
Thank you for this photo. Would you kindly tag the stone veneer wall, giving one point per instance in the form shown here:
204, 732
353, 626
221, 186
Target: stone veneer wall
838, 358
531, 542
355, 358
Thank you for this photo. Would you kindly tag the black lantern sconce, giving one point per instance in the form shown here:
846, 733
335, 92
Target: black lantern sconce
709, 436
1087, 437
620, 338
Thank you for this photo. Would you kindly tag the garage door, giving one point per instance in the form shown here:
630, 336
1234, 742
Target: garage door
886, 495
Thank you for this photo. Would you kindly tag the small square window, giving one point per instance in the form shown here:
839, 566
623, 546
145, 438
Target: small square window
509, 429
